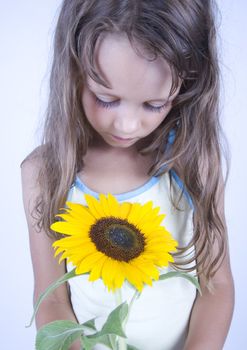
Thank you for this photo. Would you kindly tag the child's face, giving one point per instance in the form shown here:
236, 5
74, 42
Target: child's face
139, 98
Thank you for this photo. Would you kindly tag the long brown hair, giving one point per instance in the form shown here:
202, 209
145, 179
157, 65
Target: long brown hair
184, 34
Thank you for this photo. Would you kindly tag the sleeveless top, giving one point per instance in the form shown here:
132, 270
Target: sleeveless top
159, 318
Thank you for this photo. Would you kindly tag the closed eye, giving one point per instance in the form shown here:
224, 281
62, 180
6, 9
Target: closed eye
155, 108
105, 104
115, 103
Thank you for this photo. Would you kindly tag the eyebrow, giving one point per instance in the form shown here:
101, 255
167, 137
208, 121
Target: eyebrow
162, 100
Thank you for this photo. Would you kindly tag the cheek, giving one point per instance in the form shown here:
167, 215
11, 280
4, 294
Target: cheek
155, 120
99, 118
90, 108
88, 105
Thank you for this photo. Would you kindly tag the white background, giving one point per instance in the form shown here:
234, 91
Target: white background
26, 29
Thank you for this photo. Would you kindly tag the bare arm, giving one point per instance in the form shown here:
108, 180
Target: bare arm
45, 267
212, 312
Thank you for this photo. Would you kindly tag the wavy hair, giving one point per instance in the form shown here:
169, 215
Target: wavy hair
184, 34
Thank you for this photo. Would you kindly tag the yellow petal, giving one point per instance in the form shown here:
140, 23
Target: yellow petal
70, 242
58, 251
164, 260
109, 272
94, 206
88, 262
137, 216
105, 205
96, 271
124, 210
80, 222
158, 236
79, 210
66, 228
134, 213
152, 223
146, 278
112, 274
114, 206
134, 278
120, 277
147, 267
62, 257
82, 250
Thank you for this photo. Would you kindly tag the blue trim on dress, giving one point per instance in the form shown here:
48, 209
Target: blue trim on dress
69, 196
182, 187
122, 196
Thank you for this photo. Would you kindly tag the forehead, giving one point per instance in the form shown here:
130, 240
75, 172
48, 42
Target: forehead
126, 71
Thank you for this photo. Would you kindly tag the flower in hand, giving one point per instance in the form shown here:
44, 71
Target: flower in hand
114, 241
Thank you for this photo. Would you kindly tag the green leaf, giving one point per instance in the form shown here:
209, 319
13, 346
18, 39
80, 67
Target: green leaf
49, 290
187, 276
90, 324
113, 325
89, 343
131, 347
58, 335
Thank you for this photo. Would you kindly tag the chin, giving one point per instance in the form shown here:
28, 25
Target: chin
119, 143
121, 146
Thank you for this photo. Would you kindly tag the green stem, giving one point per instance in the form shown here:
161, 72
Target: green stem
121, 341
112, 340
130, 306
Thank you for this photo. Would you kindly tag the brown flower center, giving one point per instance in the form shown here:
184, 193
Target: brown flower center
117, 238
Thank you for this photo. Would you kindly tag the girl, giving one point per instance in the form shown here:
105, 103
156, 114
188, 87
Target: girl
133, 111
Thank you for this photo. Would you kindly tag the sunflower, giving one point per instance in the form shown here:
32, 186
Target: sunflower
114, 241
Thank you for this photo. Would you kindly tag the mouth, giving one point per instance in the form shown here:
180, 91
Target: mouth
121, 138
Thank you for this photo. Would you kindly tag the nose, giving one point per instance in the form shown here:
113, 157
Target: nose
127, 123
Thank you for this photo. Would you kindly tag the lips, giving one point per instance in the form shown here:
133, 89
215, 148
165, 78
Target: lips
122, 138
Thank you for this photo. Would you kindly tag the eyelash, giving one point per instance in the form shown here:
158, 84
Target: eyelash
104, 104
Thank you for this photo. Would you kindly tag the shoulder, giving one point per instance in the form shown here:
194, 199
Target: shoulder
32, 163
33, 159
31, 166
